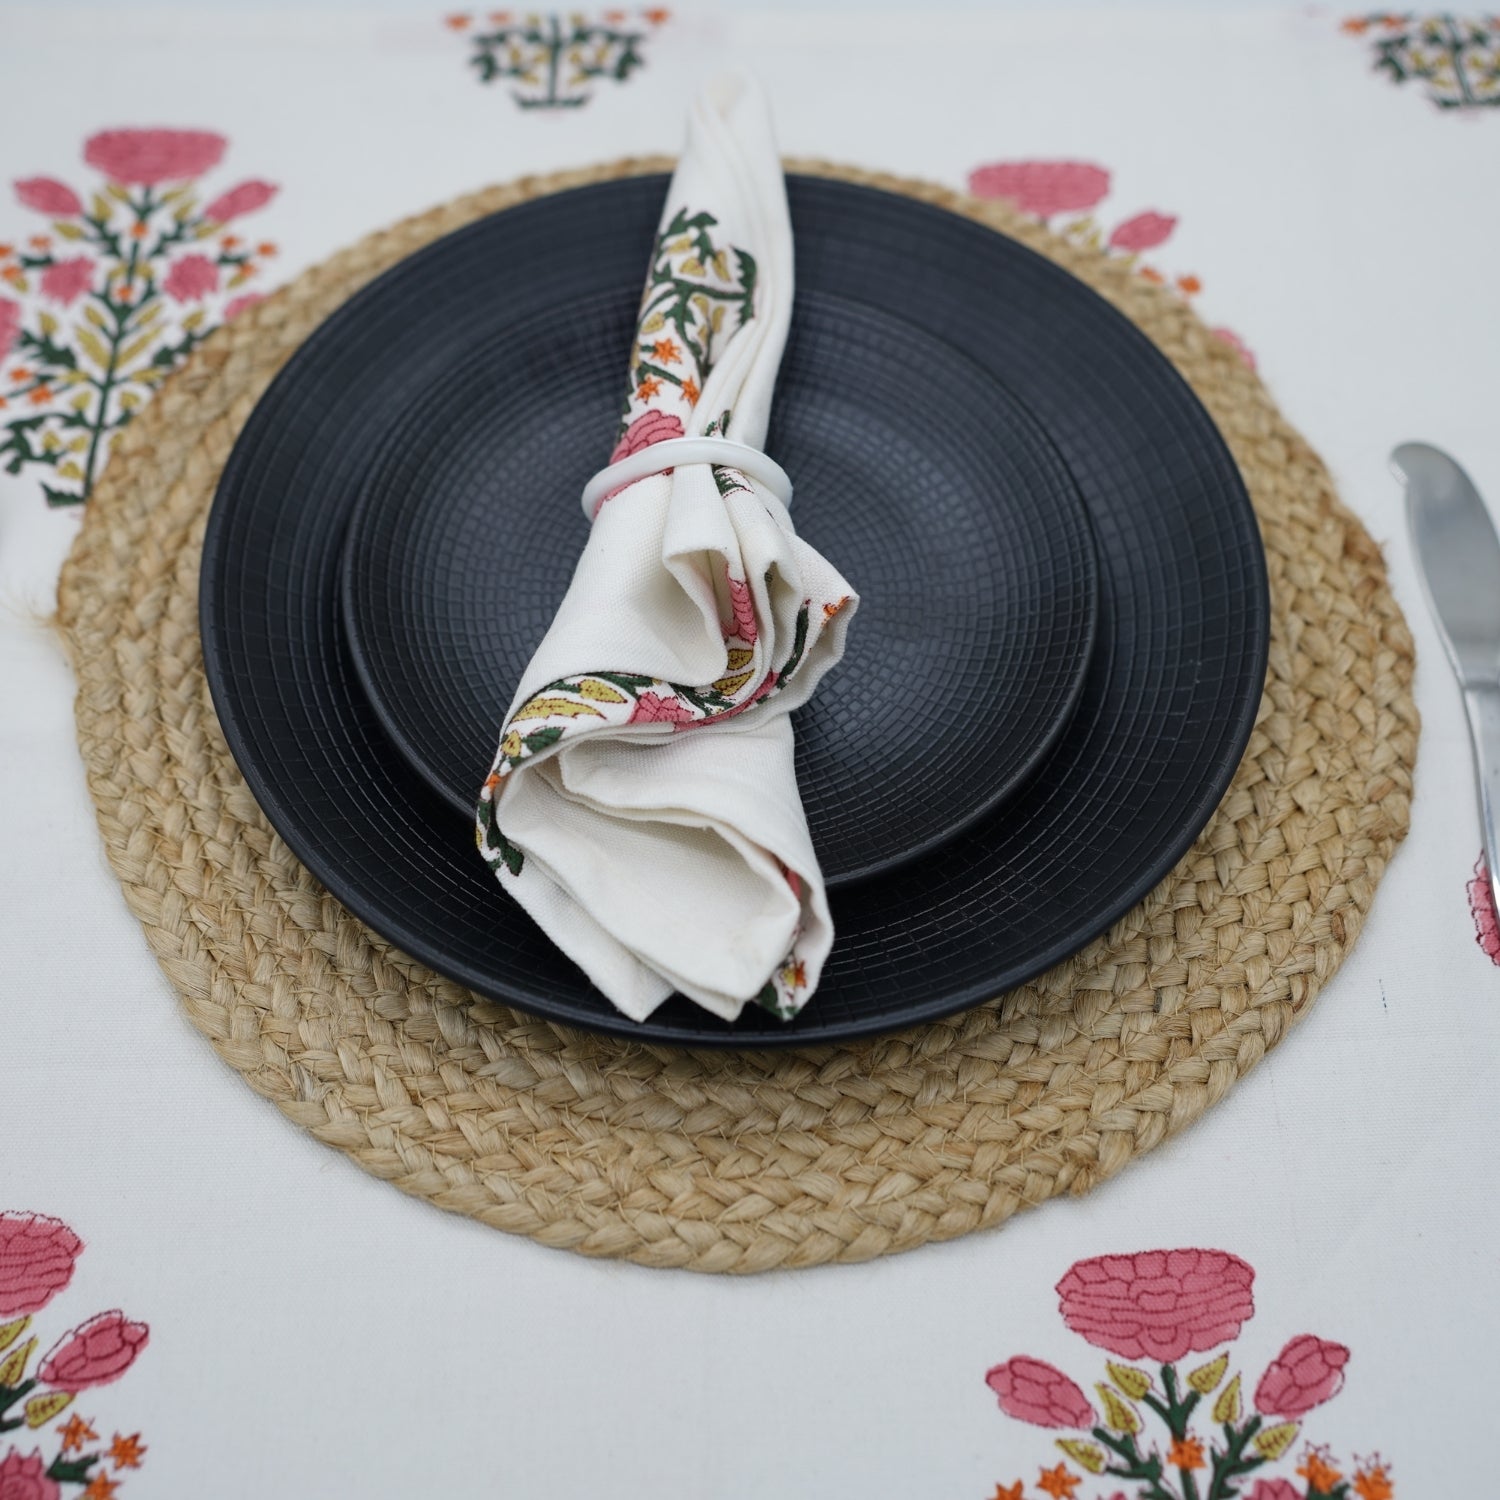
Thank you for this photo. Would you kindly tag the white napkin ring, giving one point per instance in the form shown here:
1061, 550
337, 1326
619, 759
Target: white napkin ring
674, 452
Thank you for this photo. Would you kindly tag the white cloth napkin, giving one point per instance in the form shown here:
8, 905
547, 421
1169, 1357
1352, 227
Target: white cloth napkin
643, 805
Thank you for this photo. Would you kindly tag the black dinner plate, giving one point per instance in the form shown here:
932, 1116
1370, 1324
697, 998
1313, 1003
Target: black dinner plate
927, 483
1168, 698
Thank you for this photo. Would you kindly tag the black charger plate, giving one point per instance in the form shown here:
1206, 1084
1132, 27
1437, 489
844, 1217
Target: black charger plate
1167, 704
926, 482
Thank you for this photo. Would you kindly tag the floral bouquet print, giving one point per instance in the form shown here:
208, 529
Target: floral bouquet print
43, 1456
1173, 1419
643, 805
124, 280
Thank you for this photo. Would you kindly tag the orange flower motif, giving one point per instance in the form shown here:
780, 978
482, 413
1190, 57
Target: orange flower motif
20, 373
7, 249
102, 1487
1318, 1472
137, 231
1009, 1491
666, 351
458, 23
647, 389
126, 1452
1189, 284
75, 1432
3, 403
14, 274
657, 16
1356, 25
1371, 1482
795, 975
830, 610
41, 395
614, 17
1152, 276
1059, 1482
691, 391
40, 241
266, 247
230, 241
499, 17
1186, 1453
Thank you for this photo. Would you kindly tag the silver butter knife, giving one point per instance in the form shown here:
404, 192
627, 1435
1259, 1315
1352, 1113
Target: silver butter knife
1458, 557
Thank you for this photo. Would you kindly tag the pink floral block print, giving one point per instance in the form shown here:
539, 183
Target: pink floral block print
61, 1457
1067, 195
1482, 909
36, 1261
103, 302
1159, 1304
1166, 1427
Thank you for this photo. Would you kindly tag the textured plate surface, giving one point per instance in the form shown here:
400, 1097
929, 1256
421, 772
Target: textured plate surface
1168, 701
929, 486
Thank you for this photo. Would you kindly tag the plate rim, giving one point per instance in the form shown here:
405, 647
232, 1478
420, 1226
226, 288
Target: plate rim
708, 1033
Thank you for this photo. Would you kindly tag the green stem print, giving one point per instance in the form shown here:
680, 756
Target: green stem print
114, 297
552, 60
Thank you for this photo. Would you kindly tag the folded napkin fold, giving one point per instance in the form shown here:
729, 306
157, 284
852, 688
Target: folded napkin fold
643, 804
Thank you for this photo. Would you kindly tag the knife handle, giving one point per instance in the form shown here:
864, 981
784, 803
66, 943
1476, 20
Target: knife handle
1482, 704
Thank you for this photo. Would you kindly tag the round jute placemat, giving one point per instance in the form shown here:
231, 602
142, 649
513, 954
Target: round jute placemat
707, 1160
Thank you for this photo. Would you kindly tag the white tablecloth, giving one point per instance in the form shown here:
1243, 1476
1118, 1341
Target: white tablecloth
311, 1331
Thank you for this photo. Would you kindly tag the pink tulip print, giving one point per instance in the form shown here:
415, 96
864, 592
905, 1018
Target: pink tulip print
37, 1256
1069, 196
101, 304
1172, 1417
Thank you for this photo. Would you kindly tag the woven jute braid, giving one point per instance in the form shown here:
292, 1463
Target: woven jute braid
733, 1162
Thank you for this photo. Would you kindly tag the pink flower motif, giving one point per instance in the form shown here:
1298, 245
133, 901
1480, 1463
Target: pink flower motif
152, 156
95, 1353
237, 305
64, 280
1143, 232
191, 277
1481, 895
1037, 1392
10, 324
652, 708
1236, 343
648, 428
1158, 1304
49, 196
1308, 1372
26, 1478
36, 1261
243, 198
1042, 187
742, 625
1274, 1489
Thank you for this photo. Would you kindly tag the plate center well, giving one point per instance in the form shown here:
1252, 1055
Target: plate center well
931, 488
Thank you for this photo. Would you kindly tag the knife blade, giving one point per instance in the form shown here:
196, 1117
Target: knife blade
1458, 560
